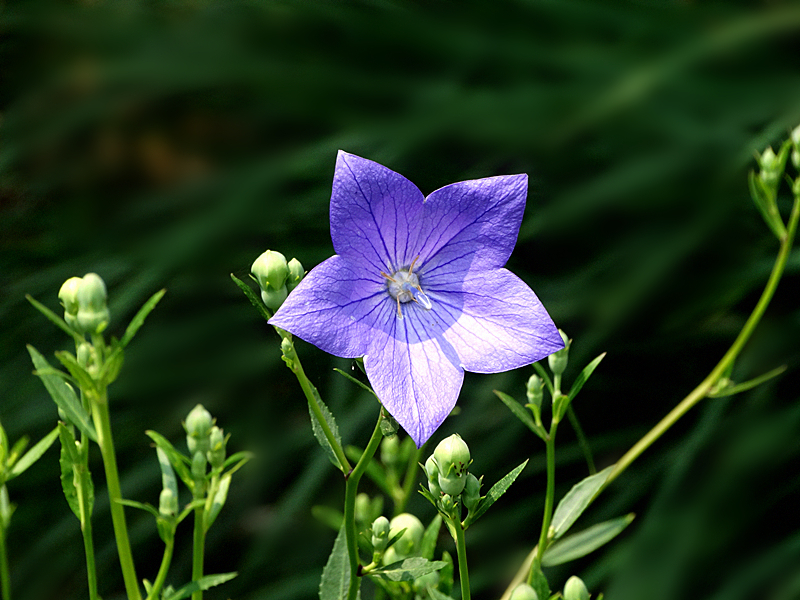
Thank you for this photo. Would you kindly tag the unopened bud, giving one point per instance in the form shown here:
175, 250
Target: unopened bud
535, 390
380, 533
524, 592
411, 540
167, 503
68, 295
447, 503
93, 315
452, 458
390, 451
270, 270
471, 495
216, 451
575, 589
198, 428
296, 273
795, 135
558, 360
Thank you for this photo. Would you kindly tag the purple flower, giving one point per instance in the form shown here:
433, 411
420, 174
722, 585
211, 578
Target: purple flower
417, 287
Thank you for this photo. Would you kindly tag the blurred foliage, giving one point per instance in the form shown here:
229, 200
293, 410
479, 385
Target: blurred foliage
168, 143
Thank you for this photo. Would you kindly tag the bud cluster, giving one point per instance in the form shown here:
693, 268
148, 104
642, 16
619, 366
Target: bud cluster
448, 475
206, 441
276, 277
409, 544
84, 302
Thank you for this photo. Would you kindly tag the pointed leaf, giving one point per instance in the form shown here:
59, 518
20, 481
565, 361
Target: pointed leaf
218, 502
747, 385
539, 583
34, 454
430, 537
141, 506
581, 544
67, 459
53, 317
319, 433
335, 581
544, 375
408, 569
251, 295
584, 376
138, 319
497, 490
576, 501
203, 583
62, 395
85, 381
178, 460
360, 384
522, 414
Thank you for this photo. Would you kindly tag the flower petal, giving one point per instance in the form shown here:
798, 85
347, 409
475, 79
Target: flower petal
417, 378
471, 225
374, 214
500, 324
335, 307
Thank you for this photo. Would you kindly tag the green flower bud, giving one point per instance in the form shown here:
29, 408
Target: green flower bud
390, 451
796, 158
198, 429
452, 458
296, 273
68, 295
216, 451
363, 508
524, 592
575, 589
558, 360
411, 540
270, 270
535, 390
447, 503
274, 298
92, 316
795, 135
432, 472
199, 465
472, 492
167, 503
380, 533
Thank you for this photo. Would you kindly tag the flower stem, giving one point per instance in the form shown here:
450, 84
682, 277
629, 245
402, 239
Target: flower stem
350, 491
461, 551
198, 549
155, 592
5, 574
311, 395
102, 423
409, 480
82, 490
549, 499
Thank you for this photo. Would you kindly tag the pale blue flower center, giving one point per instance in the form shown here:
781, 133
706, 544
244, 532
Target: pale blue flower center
404, 287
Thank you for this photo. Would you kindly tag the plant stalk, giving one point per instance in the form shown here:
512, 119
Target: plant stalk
461, 551
155, 592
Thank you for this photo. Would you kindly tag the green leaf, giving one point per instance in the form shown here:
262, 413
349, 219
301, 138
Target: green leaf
67, 459
584, 376
545, 376
58, 321
218, 502
242, 458
428, 496
179, 461
581, 544
138, 319
251, 295
34, 454
576, 501
141, 506
360, 384
497, 490
539, 583
408, 569
522, 414
436, 594
319, 433
112, 364
746, 385
335, 581
429, 538
85, 381
62, 394
203, 583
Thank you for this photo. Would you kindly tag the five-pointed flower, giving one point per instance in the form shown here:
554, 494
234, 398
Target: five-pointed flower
417, 287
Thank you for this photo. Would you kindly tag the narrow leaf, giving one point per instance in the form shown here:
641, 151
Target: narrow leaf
62, 395
360, 384
53, 317
540, 370
203, 583
218, 502
497, 490
576, 501
141, 506
429, 538
519, 412
138, 319
251, 295
584, 376
85, 381
408, 569
335, 581
319, 433
67, 460
747, 385
178, 461
581, 544
34, 454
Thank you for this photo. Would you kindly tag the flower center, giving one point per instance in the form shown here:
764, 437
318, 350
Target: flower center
404, 287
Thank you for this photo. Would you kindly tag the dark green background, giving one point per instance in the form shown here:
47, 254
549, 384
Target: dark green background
167, 144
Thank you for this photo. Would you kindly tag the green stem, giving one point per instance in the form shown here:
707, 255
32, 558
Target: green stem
311, 395
461, 550
702, 390
350, 491
198, 549
549, 498
102, 423
5, 574
408, 481
162, 571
